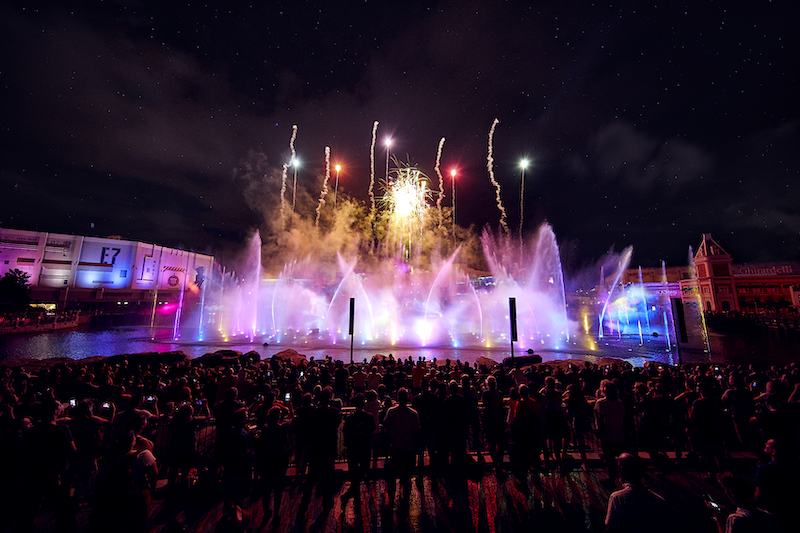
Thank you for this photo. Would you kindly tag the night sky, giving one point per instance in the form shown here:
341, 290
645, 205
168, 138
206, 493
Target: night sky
646, 126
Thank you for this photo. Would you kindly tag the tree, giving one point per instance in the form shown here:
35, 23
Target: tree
15, 290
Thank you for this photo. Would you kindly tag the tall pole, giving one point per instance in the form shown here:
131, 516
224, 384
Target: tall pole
352, 325
388, 146
453, 182
512, 316
523, 164
336, 190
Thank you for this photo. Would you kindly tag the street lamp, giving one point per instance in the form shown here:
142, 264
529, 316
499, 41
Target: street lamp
453, 182
523, 164
388, 144
336, 190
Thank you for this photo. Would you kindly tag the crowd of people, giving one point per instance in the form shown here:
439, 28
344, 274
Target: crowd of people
103, 434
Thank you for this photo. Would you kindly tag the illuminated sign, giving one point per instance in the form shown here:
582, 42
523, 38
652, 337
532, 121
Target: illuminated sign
762, 270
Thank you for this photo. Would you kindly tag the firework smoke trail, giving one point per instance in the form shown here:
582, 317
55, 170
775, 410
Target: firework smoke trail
284, 174
324, 183
490, 168
372, 169
441, 182
283, 195
294, 162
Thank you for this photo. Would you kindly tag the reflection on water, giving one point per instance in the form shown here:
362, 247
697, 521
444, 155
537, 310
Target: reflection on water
758, 345
81, 344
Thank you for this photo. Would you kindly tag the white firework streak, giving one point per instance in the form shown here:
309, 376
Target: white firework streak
441, 182
490, 168
372, 169
283, 179
324, 183
294, 156
291, 141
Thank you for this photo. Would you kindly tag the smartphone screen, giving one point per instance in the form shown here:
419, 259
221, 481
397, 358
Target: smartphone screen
711, 503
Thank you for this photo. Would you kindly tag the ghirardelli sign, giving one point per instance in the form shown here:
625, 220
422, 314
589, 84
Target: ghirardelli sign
766, 269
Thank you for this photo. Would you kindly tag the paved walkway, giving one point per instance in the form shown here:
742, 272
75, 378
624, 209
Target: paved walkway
572, 499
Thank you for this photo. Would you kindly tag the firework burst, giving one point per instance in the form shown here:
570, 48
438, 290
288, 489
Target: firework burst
407, 201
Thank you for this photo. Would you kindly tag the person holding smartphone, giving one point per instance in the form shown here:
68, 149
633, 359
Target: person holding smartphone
747, 516
136, 408
636, 508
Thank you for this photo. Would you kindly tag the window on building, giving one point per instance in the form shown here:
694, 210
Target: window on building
720, 270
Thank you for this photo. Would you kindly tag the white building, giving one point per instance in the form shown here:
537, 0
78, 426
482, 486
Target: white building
74, 268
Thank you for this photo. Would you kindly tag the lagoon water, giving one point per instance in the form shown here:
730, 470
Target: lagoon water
740, 346
107, 342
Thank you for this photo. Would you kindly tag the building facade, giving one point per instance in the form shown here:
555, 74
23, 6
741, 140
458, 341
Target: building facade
725, 287
75, 269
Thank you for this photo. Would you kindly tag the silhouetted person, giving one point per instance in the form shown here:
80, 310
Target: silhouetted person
357, 430
747, 517
326, 420
778, 484
401, 425
86, 429
125, 484
455, 428
223, 418
610, 414
182, 448
302, 430
739, 402
134, 410
580, 414
654, 414
237, 464
634, 508
526, 435
493, 419
555, 417
47, 448
272, 459
706, 416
